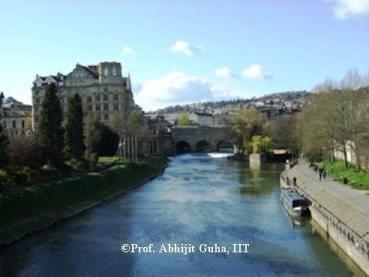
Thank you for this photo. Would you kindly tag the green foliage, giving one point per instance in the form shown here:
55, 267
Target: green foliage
6, 182
79, 165
36, 203
104, 141
74, 138
245, 124
50, 132
355, 177
261, 144
183, 119
13, 179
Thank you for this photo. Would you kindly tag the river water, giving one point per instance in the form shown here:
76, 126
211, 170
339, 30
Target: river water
198, 200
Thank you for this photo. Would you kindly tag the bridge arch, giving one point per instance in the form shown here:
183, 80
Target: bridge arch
183, 146
203, 146
224, 146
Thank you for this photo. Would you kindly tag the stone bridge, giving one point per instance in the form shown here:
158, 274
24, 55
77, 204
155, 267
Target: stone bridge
202, 139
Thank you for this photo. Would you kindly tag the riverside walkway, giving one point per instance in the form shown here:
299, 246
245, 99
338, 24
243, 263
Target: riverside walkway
354, 196
340, 210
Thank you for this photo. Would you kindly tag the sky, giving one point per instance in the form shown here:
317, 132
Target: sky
186, 51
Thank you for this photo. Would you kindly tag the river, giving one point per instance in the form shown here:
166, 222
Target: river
198, 200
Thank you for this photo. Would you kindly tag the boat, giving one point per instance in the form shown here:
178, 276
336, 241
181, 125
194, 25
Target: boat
295, 204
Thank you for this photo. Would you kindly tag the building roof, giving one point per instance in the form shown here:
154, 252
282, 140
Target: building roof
90, 69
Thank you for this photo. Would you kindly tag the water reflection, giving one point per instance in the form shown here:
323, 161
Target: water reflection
199, 199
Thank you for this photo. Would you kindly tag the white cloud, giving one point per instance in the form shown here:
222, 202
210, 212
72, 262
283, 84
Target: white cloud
224, 72
348, 8
126, 51
178, 88
185, 48
256, 71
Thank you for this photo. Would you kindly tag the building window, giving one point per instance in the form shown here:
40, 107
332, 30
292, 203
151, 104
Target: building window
89, 107
97, 107
36, 118
89, 99
37, 100
37, 92
106, 72
14, 124
106, 116
106, 107
106, 97
114, 71
22, 124
97, 97
116, 97
116, 107
4, 124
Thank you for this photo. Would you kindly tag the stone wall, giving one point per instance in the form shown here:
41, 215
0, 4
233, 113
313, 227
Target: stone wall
342, 221
340, 236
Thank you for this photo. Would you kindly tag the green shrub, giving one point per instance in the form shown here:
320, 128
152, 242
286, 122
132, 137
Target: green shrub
39, 201
79, 165
6, 181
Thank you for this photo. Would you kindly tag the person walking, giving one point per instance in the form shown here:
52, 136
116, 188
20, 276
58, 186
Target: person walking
324, 173
320, 173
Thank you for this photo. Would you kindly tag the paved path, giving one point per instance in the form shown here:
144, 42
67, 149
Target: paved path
355, 197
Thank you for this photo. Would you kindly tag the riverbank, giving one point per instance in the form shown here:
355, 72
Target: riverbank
339, 210
27, 210
358, 179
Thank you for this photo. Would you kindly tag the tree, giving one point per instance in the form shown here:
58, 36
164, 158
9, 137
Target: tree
245, 124
286, 132
134, 125
103, 141
3, 145
50, 132
24, 152
261, 144
183, 119
352, 80
117, 122
357, 118
336, 120
3, 138
74, 138
321, 128
1, 100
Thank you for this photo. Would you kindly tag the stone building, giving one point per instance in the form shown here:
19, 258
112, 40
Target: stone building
16, 119
105, 93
